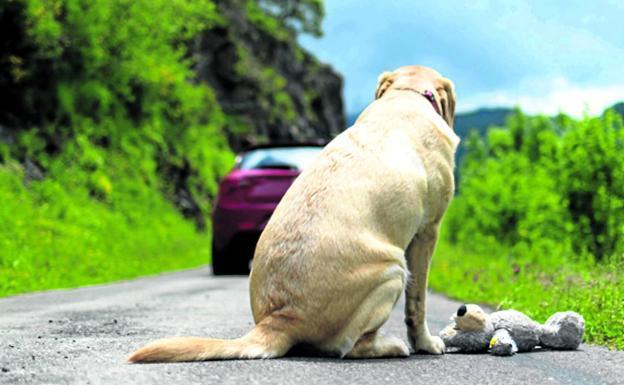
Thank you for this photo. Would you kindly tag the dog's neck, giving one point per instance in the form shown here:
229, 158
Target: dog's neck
429, 95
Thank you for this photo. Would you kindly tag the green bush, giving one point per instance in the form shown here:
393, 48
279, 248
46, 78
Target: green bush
105, 106
538, 222
549, 183
129, 82
109, 144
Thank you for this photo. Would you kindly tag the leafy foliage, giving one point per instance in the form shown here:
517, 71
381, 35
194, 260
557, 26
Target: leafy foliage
302, 15
538, 223
543, 182
124, 86
107, 138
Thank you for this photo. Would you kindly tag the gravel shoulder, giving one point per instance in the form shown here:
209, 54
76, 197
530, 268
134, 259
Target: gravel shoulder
82, 336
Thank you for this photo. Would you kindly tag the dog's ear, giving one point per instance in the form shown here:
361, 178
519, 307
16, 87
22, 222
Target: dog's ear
447, 101
384, 81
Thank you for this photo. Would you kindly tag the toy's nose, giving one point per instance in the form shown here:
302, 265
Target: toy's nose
461, 311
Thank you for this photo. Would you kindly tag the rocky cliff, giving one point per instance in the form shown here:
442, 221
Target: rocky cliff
275, 90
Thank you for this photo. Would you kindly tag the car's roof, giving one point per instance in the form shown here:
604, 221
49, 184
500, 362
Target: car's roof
316, 143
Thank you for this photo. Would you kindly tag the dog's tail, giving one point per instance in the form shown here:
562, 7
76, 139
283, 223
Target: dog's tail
261, 342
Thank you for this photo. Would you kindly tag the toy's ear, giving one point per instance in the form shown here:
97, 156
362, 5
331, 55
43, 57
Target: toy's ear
470, 318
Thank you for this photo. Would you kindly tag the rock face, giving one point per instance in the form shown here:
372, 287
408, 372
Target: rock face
274, 89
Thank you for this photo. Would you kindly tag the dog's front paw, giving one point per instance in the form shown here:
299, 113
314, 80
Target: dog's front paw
429, 344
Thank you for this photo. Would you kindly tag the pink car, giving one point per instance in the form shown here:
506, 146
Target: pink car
247, 197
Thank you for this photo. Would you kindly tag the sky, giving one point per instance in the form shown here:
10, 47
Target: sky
543, 56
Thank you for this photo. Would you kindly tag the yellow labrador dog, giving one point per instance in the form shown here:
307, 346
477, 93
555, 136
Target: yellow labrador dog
356, 229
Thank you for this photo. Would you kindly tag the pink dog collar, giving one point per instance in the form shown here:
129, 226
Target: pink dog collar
431, 98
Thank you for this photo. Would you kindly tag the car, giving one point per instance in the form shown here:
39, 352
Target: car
248, 196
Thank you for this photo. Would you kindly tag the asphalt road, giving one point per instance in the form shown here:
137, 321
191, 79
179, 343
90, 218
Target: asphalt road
83, 336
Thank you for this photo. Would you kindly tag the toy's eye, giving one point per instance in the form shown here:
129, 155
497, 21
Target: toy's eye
462, 310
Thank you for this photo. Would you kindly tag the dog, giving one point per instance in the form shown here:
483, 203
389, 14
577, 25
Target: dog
356, 229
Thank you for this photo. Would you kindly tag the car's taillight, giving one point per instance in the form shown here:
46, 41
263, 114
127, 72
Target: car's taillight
255, 187
234, 190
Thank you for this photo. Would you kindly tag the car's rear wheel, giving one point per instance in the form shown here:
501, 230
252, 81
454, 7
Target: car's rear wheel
220, 265
231, 261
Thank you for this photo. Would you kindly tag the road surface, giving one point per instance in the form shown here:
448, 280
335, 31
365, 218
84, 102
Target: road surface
83, 336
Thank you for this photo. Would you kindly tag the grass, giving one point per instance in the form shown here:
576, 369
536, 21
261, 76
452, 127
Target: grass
538, 286
55, 235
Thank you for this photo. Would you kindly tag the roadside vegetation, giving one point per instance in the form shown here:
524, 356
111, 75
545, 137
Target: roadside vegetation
538, 222
110, 149
98, 113
53, 234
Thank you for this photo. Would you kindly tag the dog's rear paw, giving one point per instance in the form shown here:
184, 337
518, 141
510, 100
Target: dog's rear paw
395, 347
379, 346
429, 344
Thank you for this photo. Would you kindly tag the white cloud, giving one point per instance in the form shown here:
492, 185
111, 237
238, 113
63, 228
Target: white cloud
549, 97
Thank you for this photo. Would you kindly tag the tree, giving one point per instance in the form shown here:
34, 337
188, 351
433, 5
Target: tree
303, 15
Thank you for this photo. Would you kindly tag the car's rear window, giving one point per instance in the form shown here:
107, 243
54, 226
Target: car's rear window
288, 158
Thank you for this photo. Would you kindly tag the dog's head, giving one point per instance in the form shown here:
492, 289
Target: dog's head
421, 79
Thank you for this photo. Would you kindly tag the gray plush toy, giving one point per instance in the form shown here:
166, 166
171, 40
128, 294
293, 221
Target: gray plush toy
509, 331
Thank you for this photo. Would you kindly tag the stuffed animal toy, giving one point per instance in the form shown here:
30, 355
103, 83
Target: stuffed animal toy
506, 332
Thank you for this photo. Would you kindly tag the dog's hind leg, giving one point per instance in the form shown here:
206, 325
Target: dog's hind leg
359, 339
